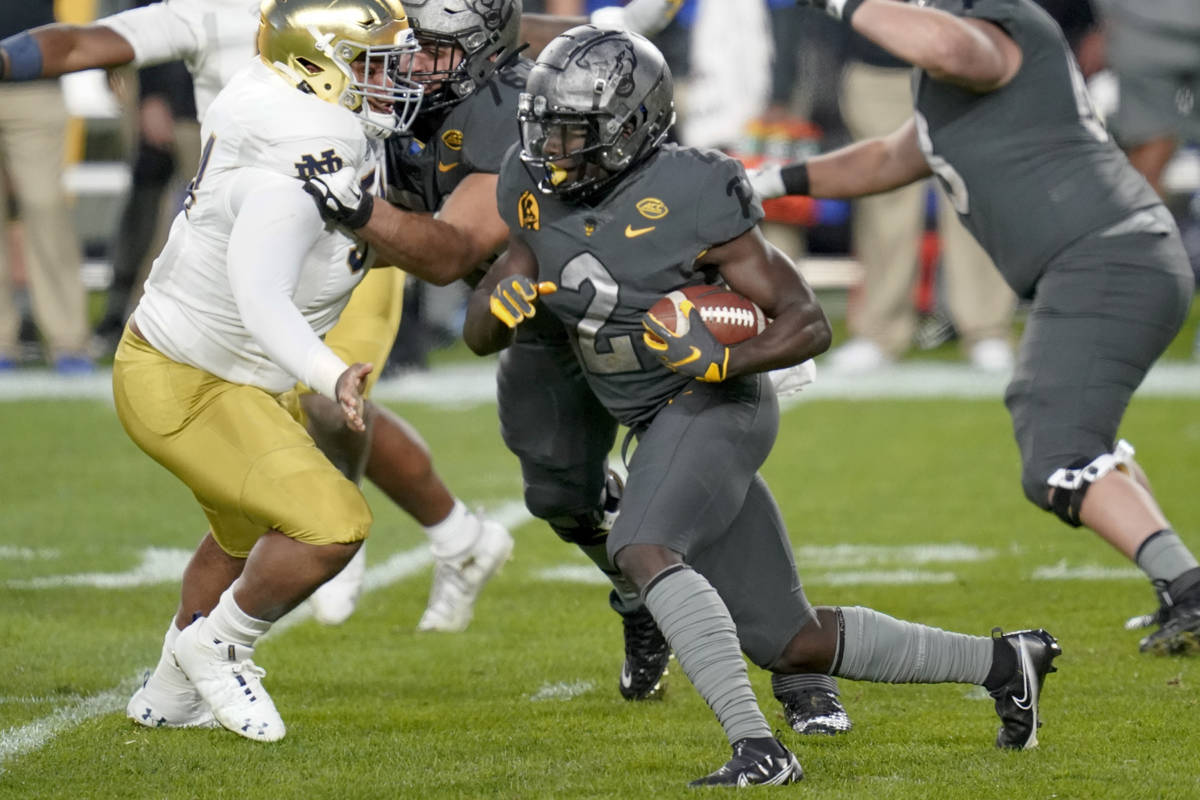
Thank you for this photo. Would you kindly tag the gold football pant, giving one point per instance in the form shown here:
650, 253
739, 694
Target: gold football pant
241, 450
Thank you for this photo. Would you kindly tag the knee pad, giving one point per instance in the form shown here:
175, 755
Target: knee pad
1071, 484
585, 528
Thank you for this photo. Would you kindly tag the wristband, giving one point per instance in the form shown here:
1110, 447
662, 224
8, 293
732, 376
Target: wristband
24, 57
848, 8
362, 214
795, 178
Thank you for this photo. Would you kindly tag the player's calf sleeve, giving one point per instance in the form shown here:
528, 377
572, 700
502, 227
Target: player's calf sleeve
1164, 557
876, 647
697, 625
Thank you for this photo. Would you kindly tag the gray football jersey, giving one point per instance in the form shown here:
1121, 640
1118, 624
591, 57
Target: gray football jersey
1029, 167
473, 137
614, 260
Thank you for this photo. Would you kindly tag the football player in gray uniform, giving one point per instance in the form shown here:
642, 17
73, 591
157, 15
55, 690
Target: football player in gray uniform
549, 416
699, 533
1004, 121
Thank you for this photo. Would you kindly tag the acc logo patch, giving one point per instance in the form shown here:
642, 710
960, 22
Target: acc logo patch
453, 139
652, 208
528, 212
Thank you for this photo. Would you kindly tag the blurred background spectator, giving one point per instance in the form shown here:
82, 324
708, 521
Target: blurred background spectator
33, 123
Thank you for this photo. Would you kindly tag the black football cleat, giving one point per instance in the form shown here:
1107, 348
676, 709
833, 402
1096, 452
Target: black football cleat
646, 654
815, 712
1178, 619
756, 762
1017, 700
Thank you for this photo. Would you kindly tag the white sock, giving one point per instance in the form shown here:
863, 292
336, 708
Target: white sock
172, 635
455, 534
229, 623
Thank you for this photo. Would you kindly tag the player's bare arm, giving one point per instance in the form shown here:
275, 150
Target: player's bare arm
972, 53
444, 248
54, 50
863, 168
799, 329
483, 331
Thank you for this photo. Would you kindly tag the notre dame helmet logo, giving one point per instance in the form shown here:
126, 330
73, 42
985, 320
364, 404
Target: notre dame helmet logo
528, 212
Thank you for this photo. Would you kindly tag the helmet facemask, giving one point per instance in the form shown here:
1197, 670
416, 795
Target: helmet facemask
597, 103
463, 42
380, 87
357, 54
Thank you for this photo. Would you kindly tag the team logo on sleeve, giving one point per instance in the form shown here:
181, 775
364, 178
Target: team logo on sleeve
528, 212
309, 167
652, 208
453, 139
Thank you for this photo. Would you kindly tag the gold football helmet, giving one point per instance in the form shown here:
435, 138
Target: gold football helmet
353, 53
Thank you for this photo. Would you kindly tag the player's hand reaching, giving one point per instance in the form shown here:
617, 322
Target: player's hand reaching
340, 199
349, 390
512, 301
694, 351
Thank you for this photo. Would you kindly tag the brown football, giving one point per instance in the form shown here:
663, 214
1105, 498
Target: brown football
729, 316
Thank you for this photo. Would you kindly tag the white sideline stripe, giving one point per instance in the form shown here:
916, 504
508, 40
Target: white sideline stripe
1086, 572
570, 573
24, 739
9, 553
474, 384
562, 690
159, 565
893, 577
860, 555
29, 737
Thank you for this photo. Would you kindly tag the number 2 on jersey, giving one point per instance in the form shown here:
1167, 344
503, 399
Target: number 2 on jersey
586, 268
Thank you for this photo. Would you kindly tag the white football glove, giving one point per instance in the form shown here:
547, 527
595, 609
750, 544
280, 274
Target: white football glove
647, 17
340, 198
767, 182
790, 380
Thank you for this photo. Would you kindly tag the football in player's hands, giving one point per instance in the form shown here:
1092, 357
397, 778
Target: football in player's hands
730, 317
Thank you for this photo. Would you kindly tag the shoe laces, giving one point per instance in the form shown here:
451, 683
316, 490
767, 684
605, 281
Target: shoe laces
248, 669
642, 634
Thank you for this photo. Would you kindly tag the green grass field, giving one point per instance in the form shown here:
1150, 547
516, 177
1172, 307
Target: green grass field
524, 704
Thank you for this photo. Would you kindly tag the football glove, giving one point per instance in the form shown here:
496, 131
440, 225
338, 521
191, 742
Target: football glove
838, 9
696, 352
340, 201
513, 300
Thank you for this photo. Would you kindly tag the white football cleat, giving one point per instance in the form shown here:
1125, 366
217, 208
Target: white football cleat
167, 699
457, 581
230, 683
333, 602
856, 357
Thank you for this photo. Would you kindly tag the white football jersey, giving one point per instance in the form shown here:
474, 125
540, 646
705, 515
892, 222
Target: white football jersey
260, 134
215, 38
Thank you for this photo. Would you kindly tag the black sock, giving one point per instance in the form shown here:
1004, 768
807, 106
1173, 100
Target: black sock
1004, 665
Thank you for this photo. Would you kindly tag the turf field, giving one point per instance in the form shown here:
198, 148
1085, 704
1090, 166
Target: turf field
908, 505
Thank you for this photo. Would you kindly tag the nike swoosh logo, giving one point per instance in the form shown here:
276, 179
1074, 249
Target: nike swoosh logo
632, 232
447, 167
626, 678
1025, 701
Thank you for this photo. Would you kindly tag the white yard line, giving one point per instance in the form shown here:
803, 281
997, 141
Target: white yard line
474, 384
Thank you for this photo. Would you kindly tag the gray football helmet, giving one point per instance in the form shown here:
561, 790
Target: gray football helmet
463, 43
596, 103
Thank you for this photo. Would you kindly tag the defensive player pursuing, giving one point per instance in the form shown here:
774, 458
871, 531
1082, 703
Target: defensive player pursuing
216, 38
231, 320
699, 533
1004, 120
